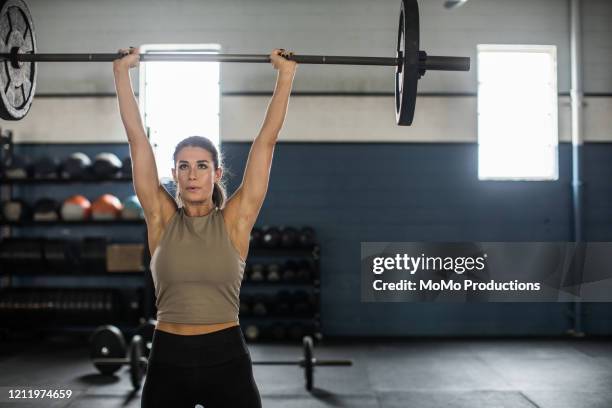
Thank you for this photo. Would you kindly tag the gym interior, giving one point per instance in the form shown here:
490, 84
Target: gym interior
505, 165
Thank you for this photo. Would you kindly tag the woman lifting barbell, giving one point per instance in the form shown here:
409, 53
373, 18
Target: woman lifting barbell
199, 243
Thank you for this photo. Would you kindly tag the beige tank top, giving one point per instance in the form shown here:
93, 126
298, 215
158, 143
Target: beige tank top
196, 271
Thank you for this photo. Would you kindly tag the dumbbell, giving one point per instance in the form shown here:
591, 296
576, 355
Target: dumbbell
108, 353
252, 332
289, 271
282, 303
257, 273
307, 237
146, 330
273, 272
301, 303
260, 305
304, 271
271, 237
255, 238
289, 237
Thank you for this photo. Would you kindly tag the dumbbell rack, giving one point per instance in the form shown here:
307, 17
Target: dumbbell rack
312, 321
133, 307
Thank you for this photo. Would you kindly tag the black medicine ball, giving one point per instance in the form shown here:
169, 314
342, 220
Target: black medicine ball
18, 167
76, 166
46, 209
126, 167
106, 165
46, 167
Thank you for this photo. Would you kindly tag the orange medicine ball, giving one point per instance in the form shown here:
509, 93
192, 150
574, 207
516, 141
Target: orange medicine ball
76, 208
106, 207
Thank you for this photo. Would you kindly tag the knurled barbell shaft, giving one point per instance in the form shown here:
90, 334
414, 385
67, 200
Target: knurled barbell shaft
431, 63
113, 361
315, 362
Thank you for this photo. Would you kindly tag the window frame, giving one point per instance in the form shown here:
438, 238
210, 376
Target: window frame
551, 50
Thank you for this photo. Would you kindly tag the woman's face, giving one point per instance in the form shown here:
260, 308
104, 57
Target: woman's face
195, 174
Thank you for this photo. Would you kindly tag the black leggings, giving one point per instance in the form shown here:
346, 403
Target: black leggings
212, 370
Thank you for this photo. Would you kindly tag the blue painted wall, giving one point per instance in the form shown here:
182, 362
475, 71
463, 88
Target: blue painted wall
353, 192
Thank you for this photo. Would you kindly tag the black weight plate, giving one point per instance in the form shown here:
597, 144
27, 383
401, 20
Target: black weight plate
146, 331
308, 363
17, 84
107, 342
136, 366
407, 72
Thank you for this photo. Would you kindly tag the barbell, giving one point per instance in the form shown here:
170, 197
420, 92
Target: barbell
108, 353
19, 57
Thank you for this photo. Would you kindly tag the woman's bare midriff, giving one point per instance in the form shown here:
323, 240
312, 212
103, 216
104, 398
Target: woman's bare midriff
192, 329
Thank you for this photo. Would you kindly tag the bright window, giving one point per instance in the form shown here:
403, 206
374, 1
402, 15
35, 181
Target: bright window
178, 99
517, 112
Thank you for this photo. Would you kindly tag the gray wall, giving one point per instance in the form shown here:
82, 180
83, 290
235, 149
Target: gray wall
343, 27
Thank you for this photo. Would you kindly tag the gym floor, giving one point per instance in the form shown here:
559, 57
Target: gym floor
544, 373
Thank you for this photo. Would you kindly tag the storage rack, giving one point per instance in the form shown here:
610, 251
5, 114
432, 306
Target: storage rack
146, 301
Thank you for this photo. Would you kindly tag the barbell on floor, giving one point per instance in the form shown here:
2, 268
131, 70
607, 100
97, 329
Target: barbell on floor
19, 57
108, 354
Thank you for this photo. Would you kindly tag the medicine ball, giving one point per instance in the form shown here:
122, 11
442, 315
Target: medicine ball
106, 207
132, 210
76, 166
18, 167
126, 167
76, 208
46, 167
16, 210
46, 209
106, 165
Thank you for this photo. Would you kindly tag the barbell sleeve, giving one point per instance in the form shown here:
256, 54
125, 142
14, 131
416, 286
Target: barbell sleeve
437, 63
332, 363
